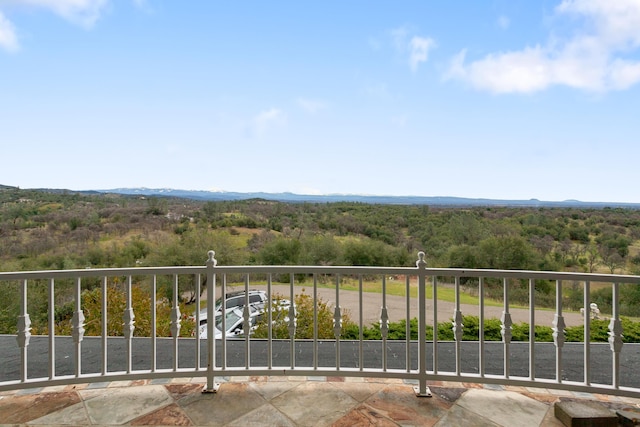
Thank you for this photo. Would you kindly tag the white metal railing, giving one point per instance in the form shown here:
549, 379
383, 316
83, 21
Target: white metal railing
78, 358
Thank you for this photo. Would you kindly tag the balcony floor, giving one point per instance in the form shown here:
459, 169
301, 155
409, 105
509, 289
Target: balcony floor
287, 401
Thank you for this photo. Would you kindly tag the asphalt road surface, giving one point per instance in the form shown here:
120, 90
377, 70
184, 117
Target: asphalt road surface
545, 354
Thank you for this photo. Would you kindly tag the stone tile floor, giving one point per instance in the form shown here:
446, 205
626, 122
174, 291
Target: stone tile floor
290, 401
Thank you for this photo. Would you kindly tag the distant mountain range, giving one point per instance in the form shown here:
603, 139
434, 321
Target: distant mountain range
329, 198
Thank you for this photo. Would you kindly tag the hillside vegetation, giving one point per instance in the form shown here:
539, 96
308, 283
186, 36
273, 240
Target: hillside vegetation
46, 230
62, 230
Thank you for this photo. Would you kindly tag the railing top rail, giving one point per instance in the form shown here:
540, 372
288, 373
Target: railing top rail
302, 269
341, 270
531, 274
99, 272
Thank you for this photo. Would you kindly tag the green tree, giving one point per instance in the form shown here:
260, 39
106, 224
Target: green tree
281, 251
507, 253
321, 250
463, 256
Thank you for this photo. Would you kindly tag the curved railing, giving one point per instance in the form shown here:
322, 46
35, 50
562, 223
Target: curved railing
49, 359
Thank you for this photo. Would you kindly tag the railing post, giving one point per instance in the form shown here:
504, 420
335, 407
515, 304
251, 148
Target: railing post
211, 386
422, 390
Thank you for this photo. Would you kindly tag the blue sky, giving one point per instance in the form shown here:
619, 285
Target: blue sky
510, 99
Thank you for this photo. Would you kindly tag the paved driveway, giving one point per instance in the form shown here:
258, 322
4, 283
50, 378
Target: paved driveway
396, 307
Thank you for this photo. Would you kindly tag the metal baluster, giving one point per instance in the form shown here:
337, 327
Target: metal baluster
104, 325
558, 331
384, 323
337, 322
197, 328
129, 324
408, 323
52, 330
505, 328
587, 333
361, 322
481, 361
615, 336
175, 321
315, 322
24, 331
211, 323
154, 307
457, 325
270, 324
435, 324
532, 329
246, 324
292, 322
77, 331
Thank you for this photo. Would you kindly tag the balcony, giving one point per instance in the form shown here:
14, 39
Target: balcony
50, 360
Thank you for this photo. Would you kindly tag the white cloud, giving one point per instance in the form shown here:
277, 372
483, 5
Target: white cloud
416, 47
617, 22
525, 71
81, 12
624, 73
311, 105
592, 58
268, 119
420, 47
8, 38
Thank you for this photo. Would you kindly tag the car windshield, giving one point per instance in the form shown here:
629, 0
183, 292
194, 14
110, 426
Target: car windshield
231, 320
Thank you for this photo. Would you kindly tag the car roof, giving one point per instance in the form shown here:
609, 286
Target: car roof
240, 293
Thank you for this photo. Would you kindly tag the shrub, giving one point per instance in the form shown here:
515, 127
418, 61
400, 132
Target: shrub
116, 304
304, 321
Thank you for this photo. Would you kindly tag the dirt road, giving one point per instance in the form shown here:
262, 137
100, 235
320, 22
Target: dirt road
397, 307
